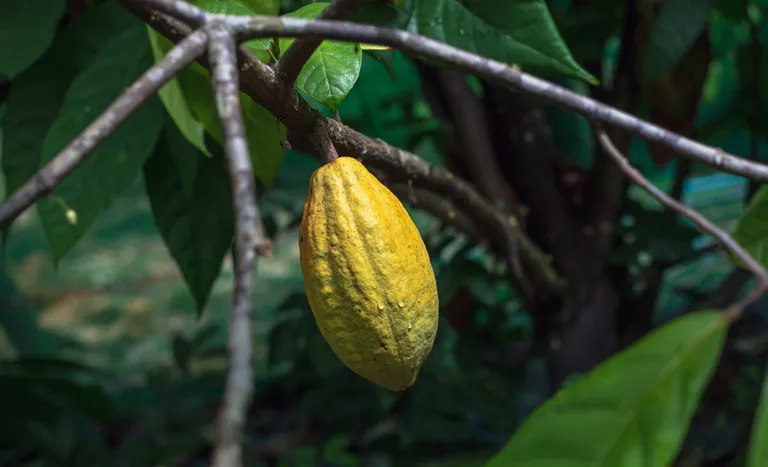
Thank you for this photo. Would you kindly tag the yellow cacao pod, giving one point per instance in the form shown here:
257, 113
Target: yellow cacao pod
367, 275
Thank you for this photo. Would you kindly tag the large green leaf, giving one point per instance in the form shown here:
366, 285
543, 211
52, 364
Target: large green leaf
172, 95
752, 229
189, 100
33, 103
332, 70
518, 32
192, 204
114, 165
631, 410
27, 28
674, 31
38, 93
758, 449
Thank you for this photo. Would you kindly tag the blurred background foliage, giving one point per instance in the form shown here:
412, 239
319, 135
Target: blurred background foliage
105, 360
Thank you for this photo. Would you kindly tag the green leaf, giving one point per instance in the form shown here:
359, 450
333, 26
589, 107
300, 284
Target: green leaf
751, 231
674, 31
332, 70
633, 409
758, 450
114, 165
33, 103
38, 93
174, 100
27, 28
518, 32
191, 106
192, 204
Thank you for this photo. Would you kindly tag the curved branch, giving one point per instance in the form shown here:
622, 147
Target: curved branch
77, 151
696, 218
259, 26
403, 166
503, 74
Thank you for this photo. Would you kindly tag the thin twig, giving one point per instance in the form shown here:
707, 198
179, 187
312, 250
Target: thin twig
225, 81
696, 218
293, 59
77, 151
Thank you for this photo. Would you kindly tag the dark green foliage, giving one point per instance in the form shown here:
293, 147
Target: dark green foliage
191, 202
26, 30
116, 164
37, 94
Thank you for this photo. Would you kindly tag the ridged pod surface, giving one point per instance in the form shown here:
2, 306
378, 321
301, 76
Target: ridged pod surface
367, 275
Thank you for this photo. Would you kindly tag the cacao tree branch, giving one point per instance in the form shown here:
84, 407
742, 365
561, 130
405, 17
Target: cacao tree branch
503, 74
77, 151
248, 240
260, 82
293, 59
259, 27
723, 237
